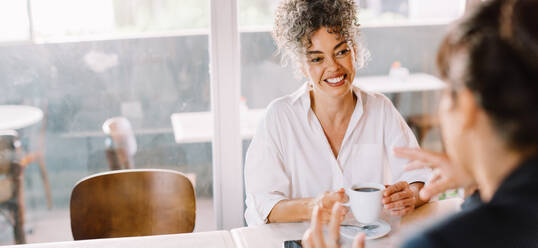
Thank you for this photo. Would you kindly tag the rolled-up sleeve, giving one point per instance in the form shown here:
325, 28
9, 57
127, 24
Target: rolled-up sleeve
398, 134
266, 182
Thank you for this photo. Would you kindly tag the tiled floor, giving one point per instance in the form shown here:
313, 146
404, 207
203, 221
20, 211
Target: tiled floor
54, 225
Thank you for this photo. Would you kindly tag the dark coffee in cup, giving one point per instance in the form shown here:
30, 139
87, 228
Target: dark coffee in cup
365, 201
366, 189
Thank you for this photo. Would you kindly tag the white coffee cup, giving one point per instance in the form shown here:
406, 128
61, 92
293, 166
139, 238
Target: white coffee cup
365, 204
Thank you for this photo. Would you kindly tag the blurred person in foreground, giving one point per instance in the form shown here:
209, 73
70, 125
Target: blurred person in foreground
489, 121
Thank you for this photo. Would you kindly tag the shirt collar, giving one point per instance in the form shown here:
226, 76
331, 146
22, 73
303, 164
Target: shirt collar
302, 96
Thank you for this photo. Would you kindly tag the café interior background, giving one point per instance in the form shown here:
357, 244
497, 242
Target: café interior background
84, 61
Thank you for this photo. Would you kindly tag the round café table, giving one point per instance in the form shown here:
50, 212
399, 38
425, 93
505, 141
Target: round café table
13, 117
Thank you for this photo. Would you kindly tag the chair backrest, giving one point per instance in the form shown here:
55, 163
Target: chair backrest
9, 156
136, 202
7, 148
121, 143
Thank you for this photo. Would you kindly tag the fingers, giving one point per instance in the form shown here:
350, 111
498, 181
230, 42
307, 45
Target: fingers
409, 202
313, 237
307, 241
398, 196
316, 227
433, 188
436, 176
402, 212
431, 159
397, 187
343, 196
358, 242
337, 216
338, 196
329, 198
417, 164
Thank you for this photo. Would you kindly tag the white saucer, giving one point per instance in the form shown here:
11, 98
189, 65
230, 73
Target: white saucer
350, 231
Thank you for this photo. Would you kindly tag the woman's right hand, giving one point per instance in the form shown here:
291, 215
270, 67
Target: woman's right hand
446, 176
325, 203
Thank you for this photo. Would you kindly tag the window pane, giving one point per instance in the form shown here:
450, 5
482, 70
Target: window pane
79, 85
256, 13
390, 12
116, 17
13, 20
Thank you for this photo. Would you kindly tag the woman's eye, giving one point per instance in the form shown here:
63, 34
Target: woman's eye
342, 52
315, 60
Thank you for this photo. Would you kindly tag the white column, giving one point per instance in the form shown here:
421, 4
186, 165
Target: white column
225, 97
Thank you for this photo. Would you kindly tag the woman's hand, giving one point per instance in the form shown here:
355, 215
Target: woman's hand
446, 176
300, 209
325, 203
399, 199
313, 237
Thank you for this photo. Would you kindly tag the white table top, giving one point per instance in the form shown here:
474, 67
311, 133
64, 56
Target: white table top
274, 235
201, 239
18, 116
192, 127
270, 235
413, 83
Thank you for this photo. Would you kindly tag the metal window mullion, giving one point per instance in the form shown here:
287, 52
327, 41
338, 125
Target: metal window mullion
225, 97
31, 35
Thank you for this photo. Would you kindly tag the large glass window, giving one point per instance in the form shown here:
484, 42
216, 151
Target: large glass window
144, 60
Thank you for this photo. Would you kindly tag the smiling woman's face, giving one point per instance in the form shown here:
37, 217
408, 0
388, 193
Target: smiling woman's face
329, 64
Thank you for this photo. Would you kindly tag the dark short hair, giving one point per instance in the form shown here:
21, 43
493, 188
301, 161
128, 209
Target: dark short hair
494, 53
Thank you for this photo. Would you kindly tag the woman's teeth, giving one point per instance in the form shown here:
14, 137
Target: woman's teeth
335, 80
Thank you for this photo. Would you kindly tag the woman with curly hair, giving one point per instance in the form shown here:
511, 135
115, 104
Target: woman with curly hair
329, 134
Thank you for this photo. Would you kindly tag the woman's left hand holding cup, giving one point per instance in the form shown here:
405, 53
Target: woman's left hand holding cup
326, 201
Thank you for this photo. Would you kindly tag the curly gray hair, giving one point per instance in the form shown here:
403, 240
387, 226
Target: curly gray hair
297, 20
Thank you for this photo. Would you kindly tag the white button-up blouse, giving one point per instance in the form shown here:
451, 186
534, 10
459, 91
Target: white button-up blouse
290, 157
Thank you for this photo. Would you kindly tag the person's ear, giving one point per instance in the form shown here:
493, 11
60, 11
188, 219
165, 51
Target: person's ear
468, 107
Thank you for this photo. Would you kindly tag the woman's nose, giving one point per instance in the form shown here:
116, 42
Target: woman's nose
332, 64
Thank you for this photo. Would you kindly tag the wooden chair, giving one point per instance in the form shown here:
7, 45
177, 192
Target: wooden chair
11, 183
120, 144
422, 124
136, 202
38, 156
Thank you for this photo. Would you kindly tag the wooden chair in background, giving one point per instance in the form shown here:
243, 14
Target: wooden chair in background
12, 183
422, 124
127, 203
37, 156
120, 144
